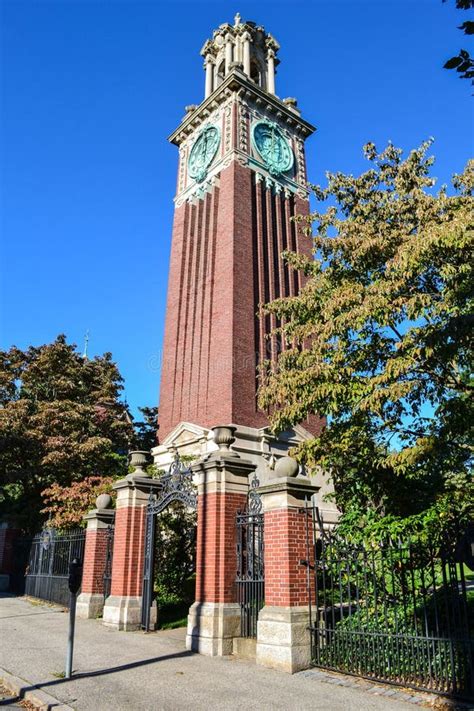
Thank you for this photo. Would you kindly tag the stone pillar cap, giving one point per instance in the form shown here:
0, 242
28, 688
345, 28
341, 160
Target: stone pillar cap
104, 515
288, 492
224, 461
137, 482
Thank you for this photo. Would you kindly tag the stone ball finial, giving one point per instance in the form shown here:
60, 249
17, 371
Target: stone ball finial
103, 501
286, 467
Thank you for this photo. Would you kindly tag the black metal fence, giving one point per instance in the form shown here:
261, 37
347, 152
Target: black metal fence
108, 561
51, 552
250, 580
398, 611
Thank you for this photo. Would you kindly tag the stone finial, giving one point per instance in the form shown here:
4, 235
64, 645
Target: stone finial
237, 19
286, 467
223, 436
139, 460
103, 501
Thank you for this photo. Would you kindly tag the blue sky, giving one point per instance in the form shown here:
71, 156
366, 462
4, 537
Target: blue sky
91, 90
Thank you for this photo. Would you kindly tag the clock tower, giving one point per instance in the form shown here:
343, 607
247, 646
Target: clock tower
241, 180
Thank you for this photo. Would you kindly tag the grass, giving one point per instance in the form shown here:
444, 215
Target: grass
173, 615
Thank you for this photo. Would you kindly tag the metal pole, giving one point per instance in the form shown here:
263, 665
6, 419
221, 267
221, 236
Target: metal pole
70, 639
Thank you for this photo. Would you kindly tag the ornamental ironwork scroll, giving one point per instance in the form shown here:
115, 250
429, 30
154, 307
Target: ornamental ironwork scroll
176, 485
250, 578
254, 502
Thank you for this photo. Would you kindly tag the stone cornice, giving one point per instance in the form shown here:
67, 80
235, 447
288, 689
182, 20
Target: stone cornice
298, 487
238, 82
141, 483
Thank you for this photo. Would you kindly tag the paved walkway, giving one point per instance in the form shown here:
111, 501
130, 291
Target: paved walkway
137, 671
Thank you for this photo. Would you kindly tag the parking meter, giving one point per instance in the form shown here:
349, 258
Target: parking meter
74, 583
75, 576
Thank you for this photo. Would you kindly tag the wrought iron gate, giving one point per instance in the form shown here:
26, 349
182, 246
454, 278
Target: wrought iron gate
250, 579
47, 570
176, 485
397, 611
107, 577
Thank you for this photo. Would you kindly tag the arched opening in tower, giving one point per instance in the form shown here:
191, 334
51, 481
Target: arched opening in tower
255, 73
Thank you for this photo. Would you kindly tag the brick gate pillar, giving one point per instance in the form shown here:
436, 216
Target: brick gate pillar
283, 641
222, 480
90, 602
7, 538
122, 609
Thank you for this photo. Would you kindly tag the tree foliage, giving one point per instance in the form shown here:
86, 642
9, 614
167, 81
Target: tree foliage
61, 421
145, 437
176, 530
379, 338
463, 62
66, 505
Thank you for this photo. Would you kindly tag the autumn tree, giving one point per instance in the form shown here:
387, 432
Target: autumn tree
65, 506
61, 421
379, 337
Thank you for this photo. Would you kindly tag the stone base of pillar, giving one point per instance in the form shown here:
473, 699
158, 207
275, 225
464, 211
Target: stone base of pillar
89, 606
124, 613
212, 627
283, 640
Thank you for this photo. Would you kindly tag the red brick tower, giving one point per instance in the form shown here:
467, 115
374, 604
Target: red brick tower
241, 178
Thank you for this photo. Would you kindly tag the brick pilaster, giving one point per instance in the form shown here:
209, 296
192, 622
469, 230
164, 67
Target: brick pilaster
122, 608
129, 546
216, 558
214, 619
285, 546
7, 538
90, 602
282, 638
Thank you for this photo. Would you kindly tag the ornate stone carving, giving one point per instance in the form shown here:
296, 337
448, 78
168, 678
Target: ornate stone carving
243, 127
228, 128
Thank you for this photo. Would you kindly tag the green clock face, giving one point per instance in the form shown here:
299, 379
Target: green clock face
273, 147
203, 152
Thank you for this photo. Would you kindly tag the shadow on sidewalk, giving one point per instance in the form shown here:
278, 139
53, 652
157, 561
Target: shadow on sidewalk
99, 672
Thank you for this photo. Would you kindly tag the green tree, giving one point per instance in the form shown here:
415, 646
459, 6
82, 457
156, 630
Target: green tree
146, 429
463, 62
61, 421
379, 338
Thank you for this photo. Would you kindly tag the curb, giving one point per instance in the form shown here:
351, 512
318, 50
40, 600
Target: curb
28, 691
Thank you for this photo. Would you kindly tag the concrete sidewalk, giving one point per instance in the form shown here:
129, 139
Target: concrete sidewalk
132, 670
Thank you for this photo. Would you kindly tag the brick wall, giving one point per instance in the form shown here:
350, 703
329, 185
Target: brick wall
216, 556
225, 261
285, 546
129, 543
95, 556
7, 539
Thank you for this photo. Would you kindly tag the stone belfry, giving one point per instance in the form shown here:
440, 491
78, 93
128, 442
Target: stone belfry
241, 178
